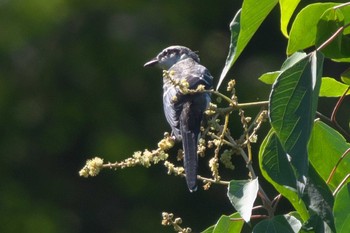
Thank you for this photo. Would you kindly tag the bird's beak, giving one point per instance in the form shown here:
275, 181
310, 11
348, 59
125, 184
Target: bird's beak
151, 63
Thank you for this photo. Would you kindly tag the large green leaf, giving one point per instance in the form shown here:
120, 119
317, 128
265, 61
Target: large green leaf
287, 9
276, 169
225, 224
341, 210
281, 223
292, 108
332, 88
242, 194
303, 32
325, 149
243, 27
320, 203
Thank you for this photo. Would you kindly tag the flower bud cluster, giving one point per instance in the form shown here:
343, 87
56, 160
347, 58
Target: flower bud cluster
168, 220
92, 167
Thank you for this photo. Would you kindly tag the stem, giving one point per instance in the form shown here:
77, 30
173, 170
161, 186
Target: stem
275, 201
341, 5
341, 184
253, 104
336, 166
330, 39
335, 111
221, 95
241, 106
336, 108
213, 181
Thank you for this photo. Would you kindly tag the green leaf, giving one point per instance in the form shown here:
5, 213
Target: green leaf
287, 9
276, 169
281, 223
345, 76
320, 202
345, 9
325, 148
293, 103
235, 28
242, 194
270, 77
316, 225
243, 27
339, 47
292, 60
209, 229
225, 224
303, 32
274, 162
332, 88
341, 213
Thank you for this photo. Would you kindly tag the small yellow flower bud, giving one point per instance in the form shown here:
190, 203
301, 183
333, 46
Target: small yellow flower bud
178, 221
231, 84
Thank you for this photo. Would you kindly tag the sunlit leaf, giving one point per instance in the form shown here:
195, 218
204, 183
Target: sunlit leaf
304, 28
225, 224
287, 10
324, 156
269, 77
243, 27
332, 88
345, 76
341, 213
209, 229
235, 28
242, 194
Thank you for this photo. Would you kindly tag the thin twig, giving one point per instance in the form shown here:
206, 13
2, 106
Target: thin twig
205, 179
253, 104
331, 38
336, 108
341, 5
336, 166
341, 184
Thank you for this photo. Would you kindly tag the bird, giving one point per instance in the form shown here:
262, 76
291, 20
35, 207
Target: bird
184, 111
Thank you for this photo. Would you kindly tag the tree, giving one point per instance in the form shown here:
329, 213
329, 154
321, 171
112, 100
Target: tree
304, 155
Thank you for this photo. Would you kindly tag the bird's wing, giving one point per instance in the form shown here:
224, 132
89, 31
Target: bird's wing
170, 111
198, 75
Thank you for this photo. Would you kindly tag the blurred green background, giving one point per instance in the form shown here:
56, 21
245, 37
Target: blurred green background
72, 86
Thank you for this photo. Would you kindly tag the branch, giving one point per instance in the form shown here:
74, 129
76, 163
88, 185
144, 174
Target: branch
336, 166
330, 39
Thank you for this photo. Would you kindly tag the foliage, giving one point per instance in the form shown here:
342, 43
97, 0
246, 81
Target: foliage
304, 155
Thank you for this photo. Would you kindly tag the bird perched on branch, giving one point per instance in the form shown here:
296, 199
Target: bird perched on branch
184, 107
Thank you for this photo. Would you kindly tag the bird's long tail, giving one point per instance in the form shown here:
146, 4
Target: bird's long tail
190, 121
189, 143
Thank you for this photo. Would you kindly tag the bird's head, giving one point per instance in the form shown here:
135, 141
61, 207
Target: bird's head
171, 55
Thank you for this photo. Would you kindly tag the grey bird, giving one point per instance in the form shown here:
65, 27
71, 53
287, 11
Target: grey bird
184, 112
